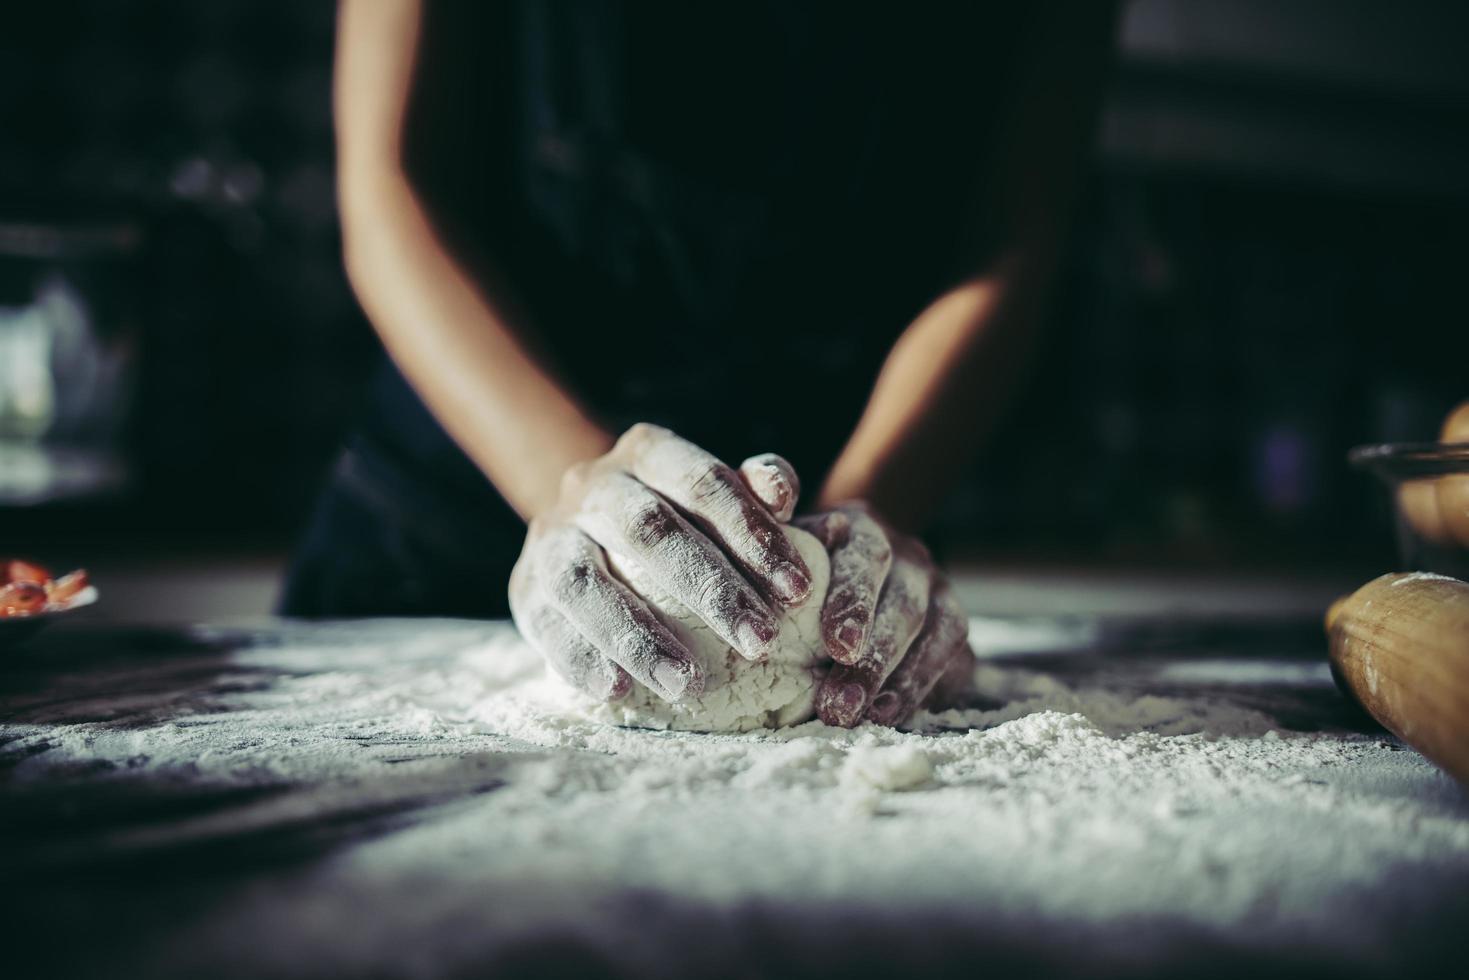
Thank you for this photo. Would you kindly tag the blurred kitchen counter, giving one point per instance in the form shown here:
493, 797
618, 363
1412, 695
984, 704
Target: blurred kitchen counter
208, 586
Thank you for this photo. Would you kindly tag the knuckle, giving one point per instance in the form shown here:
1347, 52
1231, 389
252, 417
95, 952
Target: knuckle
842, 601
639, 434
709, 591
574, 478
635, 644
711, 482
831, 526
757, 542
650, 523
838, 529
718, 598
574, 581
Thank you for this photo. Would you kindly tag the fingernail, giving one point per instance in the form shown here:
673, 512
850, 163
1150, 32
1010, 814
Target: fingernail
884, 708
674, 679
844, 705
755, 636
792, 583
619, 687
849, 637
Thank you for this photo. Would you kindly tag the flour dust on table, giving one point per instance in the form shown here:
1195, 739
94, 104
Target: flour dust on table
1163, 800
739, 695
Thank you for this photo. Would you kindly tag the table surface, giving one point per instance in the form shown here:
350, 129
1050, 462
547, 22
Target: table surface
383, 798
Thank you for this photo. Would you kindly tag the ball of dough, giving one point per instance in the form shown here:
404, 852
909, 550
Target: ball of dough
739, 695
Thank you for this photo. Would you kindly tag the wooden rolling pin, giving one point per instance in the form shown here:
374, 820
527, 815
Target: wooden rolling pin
1400, 643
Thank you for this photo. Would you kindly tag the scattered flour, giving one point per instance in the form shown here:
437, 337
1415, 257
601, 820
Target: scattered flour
1073, 804
739, 695
891, 767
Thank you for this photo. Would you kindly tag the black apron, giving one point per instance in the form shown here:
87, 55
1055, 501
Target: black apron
719, 216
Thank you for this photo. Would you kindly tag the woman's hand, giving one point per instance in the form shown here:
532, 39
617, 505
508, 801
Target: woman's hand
708, 534
890, 621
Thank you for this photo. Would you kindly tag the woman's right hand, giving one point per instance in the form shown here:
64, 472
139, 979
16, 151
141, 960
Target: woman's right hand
707, 534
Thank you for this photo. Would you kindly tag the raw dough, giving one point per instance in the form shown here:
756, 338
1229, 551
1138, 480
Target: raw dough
739, 695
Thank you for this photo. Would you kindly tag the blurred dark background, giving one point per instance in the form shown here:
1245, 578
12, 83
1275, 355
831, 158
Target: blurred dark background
1267, 270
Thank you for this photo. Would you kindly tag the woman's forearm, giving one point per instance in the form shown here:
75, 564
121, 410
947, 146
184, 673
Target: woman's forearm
947, 380
940, 392
456, 347
453, 341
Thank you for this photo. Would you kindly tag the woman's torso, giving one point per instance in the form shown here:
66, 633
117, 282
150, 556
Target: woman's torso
718, 216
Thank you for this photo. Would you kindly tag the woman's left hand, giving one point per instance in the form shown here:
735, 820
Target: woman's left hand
890, 620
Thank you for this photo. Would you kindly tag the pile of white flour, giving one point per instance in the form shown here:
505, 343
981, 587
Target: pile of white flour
1070, 805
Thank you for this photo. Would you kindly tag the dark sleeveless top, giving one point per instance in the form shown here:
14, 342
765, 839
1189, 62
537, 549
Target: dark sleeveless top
719, 216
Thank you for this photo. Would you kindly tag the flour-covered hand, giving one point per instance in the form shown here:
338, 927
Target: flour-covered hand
890, 620
704, 532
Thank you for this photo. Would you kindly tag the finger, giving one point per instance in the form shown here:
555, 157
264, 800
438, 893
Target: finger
830, 527
567, 651
611, 617
861, 559
945, 636
956, 684
774, 483
570, 655
626, 517
900, 615
718, 503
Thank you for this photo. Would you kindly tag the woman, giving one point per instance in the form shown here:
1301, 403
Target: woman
824, 230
